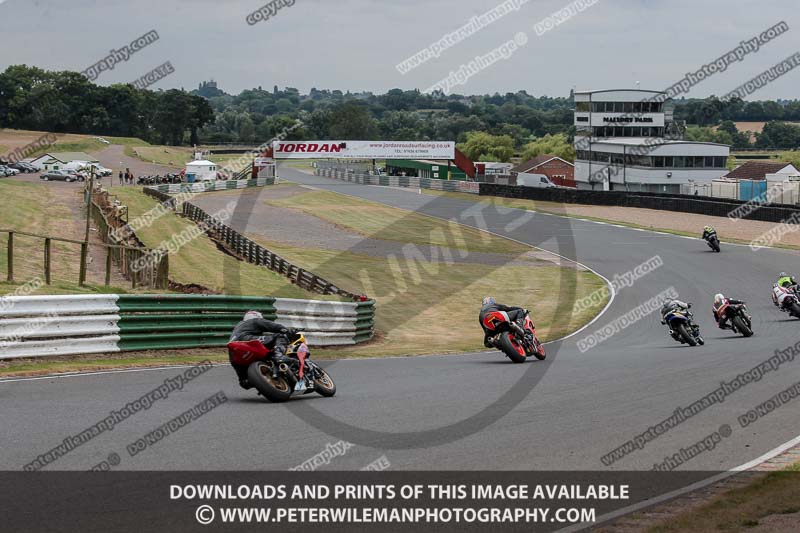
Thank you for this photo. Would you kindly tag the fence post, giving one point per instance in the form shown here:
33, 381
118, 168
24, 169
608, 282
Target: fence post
108, 266
10, 256
47, 249
82, 275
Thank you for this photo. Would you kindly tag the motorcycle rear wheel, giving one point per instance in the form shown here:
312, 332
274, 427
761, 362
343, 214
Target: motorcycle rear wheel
742, 326
794, 309
684, 334
277, 390
514, 351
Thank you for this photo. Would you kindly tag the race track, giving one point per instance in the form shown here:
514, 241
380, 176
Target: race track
568, 412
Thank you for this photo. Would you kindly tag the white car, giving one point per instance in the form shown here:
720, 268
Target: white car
104, 141
8, 171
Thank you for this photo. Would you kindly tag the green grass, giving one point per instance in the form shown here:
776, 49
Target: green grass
426, 307
379, 221
32, 207
741, 509
201, 262
432, 308
163, 155
422, 307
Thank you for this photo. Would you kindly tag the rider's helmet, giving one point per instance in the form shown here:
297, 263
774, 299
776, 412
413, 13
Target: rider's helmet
708, 229
669, 304
250, 315
718, 298
785, 282
488, 300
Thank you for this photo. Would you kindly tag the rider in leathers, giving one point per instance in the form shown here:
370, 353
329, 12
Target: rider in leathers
719, 302
489, 305
271, 334
670, 306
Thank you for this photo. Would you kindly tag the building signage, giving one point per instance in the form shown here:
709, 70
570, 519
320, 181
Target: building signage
627, 119
364, 149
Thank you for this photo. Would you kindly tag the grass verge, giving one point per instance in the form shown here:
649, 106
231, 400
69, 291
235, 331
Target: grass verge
741, 509
375, 220
423, 307
200, 261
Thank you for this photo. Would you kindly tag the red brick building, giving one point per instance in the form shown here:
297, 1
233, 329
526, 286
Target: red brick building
557, 170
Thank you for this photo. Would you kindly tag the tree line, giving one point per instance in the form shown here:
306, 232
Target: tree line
485, 126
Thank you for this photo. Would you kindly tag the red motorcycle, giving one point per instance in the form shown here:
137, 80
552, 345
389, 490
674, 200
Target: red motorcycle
517, 340
278, 383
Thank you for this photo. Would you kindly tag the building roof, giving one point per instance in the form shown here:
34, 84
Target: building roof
757, 170
203, 163
536, 162
66, 157
619, 91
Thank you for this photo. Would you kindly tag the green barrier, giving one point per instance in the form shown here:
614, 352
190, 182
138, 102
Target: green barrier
137, 303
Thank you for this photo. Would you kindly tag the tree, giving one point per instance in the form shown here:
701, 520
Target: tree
482, 146
550, 144
352, 121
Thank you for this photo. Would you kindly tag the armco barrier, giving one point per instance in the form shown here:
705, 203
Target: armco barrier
400, 181
35, 326
701, 205
210, 186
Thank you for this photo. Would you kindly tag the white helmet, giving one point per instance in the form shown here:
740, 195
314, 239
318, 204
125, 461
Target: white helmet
250, 315
718, 298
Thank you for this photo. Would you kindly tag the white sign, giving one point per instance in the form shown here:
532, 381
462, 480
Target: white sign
364, 149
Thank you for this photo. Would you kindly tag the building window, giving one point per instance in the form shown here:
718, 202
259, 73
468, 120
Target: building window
720, 162
582, 119
583, 107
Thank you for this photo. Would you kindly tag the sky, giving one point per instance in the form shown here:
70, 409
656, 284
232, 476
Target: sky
356, 45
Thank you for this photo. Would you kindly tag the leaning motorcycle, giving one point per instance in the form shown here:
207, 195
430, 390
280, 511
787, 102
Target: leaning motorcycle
515, 339
278, 382
713, 242
789, 302
682, 328
740, 320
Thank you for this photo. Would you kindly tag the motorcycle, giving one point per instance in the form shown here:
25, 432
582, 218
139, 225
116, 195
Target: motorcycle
278, 382
517, 340
786, 299
740, 320
713, 242
682, 328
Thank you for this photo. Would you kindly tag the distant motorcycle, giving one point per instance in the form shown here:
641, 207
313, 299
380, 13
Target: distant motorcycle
515, 339
785, 298
279, 383
682, 328
740, 320
713, 242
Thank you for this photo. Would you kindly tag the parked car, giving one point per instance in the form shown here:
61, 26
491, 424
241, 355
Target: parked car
23, 167
60, 175
79, 175
5, 172
9, 171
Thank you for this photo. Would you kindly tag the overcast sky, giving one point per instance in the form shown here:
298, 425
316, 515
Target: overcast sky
356, 44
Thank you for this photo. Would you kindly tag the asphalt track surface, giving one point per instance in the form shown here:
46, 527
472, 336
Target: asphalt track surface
575, 408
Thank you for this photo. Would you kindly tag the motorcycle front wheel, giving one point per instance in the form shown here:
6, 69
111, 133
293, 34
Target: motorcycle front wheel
742, 326
684, 334
323, 383
277, 390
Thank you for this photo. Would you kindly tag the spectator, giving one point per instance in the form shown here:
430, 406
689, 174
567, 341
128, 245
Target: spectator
120, 178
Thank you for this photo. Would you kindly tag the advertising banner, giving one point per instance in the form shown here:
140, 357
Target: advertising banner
364, 149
